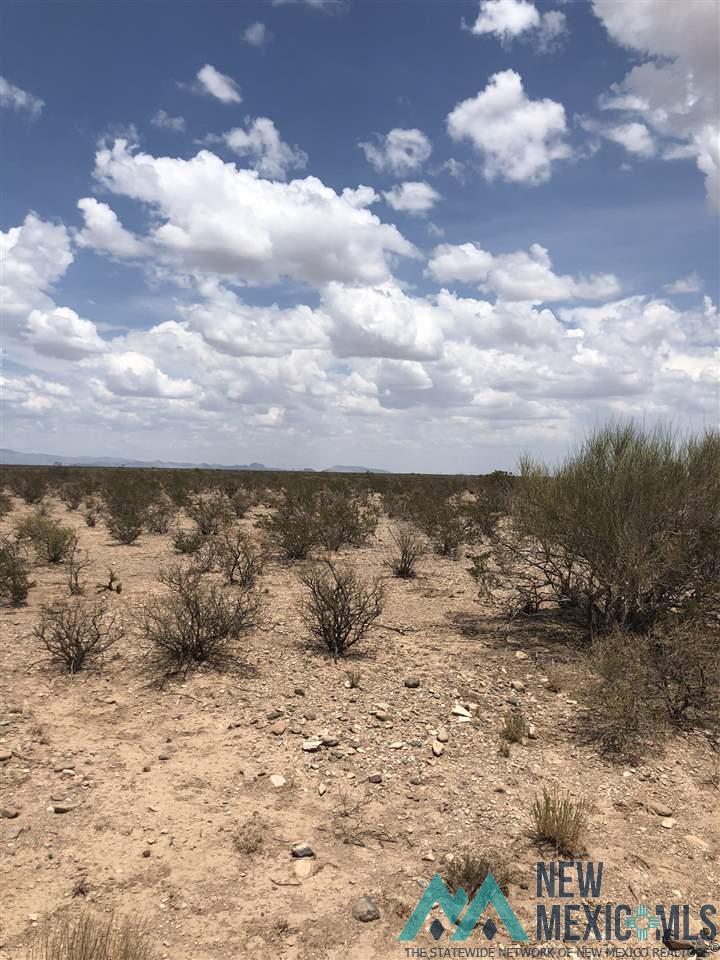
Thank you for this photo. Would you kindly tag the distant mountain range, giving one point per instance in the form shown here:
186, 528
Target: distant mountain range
14, 457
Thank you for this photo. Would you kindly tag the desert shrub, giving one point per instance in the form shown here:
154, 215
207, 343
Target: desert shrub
77, 562
344, 519
196, 623
211, 513
445, 523
14, 572
51, 542
250, 836
241, 501
560, 821
469, 871
111, 585
514, 728
160, 513
89, 937
125, 522
5, 504
188, 541
410, 548
92, 510
71, 493
624, 532
29, 485
205, 558
239, 559
73, 632
339, 607
293, 525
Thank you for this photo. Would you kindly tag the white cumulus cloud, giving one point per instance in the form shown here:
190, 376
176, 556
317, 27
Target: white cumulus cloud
414, 197
104, 232
218, 85
399, 151
18, 99
269, 154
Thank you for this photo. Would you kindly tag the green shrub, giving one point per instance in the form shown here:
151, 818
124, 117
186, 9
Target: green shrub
211, 513
5, 504
344, 519
240, 561
410, 548
51, 542
188, 541
30, 485
14, 573
339, 607
445, 524
160, 513
293, 525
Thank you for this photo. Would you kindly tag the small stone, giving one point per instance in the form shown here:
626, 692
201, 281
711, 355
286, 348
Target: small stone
460, 711
397, 745
304, 868
696, 842
279, 728
310, 715
299, 691
322, 789
8, 813
532, 732
667, 822
661, 809
163, 756
412, 683
381, 715
63, 807
277, 780
520, 655
146, 853
274, 715
442, 735
429, 856
375, 778
438, 749
330, 741
365, 910
5, 755
302, 850
517, 685
311, 746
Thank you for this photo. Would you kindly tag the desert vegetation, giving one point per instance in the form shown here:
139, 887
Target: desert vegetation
381, 638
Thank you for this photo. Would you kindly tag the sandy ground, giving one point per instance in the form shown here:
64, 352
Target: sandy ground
163, 781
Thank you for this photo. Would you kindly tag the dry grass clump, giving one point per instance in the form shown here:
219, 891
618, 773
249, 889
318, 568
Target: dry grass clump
410, 548
514, 728
90, 937
469, 871
560, 821
73, 632
339, 607
250, 836
196, 623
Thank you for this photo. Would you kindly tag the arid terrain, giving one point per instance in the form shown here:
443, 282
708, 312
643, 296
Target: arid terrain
184, 798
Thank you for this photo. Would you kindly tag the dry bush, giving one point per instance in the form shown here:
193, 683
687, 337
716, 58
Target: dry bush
71, 493
77, 561
293, 525
211, 513
112, 585
241, 501
196, 623
239, 559
6, 504
14, 572
445, 524
559, 820
92, 510
89, 937
160, 513
51, 542
410, 548
250, 836
344, 519
353, 679
514, 728
188, 541
339, 607
30, 485
73, 632
469, 871
205, 558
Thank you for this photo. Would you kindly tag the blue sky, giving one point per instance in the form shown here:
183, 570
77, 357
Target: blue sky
191, 270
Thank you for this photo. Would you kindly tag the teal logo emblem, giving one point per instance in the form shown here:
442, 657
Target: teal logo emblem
465, 920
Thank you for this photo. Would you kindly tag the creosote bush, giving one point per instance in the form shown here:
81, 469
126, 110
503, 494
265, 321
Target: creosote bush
90, 937
160, 513
51, 542
339, 607
410, 548
5, 504
14, 573
74, 632
196, 623
344, 520
188, 541
211, 513
293, 525
239, 559
560, 821
77, 562
469, 871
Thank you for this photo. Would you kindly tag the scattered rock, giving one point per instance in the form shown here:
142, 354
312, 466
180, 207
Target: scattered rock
396, 745
330, 741
312, 746
517, 685
412, 683
520, 655
304, 868
667, 822
442, 735
438, 749
277, 780
459, 711
279, 728
310, 715
375, 778
302, 850
660, 808
8, 813
381, 715
532, 732
322, 789
696, 842
163, 756
5, 755
365, 910
274, 715
146, 853
299, 691
64, 806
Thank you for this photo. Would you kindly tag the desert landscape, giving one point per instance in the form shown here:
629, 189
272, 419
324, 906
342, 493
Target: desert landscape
288, 802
